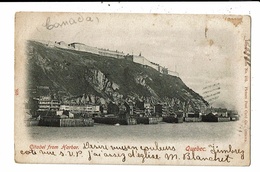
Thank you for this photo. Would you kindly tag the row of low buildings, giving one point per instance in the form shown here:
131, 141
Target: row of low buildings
50, 112
110, 53
45, 102
46, 105
50, 106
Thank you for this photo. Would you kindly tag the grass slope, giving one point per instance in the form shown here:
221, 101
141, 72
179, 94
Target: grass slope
65, 70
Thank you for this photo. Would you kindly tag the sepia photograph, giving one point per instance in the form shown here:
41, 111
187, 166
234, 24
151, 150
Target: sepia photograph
121, 88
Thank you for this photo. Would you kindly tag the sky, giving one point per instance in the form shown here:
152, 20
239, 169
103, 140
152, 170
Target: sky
203, 49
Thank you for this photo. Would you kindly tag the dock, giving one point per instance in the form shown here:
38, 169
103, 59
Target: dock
147, 120
192, 119
115, 120
66, 122
172, 119
213, 118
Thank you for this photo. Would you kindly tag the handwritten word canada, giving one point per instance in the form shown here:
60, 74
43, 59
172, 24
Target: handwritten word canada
49, 24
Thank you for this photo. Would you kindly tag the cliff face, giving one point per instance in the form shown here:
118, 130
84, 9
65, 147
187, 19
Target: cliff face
79, 73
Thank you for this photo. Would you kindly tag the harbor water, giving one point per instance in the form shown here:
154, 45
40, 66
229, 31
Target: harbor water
162, 131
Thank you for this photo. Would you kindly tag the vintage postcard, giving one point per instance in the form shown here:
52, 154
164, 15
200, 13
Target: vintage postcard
111, 88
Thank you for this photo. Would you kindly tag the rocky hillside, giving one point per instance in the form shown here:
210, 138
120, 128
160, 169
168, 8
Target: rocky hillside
78, 73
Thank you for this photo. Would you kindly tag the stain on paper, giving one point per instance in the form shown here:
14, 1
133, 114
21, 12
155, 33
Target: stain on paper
235, 21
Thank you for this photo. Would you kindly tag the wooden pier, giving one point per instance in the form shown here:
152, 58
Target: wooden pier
192, 119
172, 119
213, 118
67, 122
115, 120
147, 120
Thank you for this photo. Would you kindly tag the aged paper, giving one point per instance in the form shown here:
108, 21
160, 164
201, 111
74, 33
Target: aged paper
101, 88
